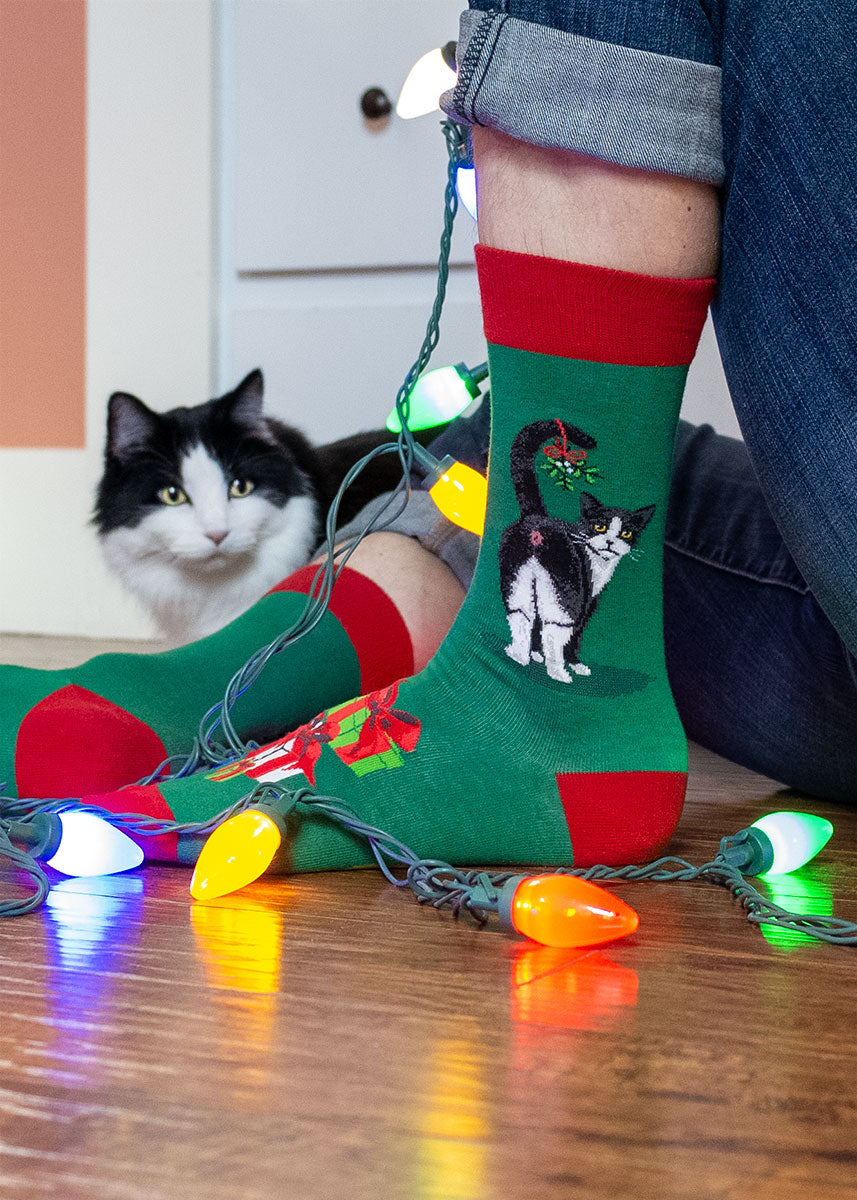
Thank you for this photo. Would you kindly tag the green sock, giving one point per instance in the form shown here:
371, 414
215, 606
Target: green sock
543, 730
114, 719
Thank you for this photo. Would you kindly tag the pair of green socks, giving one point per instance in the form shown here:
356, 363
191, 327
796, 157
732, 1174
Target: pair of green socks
116, 718
543, 730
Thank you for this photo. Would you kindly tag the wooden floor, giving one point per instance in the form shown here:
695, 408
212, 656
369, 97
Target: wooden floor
324, 1037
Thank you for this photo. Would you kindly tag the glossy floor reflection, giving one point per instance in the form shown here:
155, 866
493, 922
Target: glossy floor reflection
325, 1036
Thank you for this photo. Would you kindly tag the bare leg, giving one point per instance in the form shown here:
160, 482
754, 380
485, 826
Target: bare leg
423, 588
561, 205
565, 205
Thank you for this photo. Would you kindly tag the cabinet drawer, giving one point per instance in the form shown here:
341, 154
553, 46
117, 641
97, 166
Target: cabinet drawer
315, 186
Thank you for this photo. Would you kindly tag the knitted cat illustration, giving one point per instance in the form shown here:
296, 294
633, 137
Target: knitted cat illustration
553, 571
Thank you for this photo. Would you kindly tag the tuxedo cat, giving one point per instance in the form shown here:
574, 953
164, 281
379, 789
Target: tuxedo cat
553, 571
201, 510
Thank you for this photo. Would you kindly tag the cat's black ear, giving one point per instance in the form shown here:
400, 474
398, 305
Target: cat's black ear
130, 424
245, 402
589, 504
642, 516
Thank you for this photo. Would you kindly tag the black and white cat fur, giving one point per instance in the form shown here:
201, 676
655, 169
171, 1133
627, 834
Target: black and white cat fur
201, 510
552, 571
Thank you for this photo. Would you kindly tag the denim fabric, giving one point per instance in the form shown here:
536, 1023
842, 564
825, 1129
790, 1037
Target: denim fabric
679, 28
758, 672
786, 321
786, 317
629, 106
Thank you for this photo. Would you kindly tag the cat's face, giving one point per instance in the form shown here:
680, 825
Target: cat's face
201, 488
610, 532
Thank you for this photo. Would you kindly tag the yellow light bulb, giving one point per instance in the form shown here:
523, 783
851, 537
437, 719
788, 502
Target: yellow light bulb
461, 494
237, 853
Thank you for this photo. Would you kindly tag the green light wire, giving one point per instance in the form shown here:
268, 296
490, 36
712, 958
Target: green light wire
440, 884
432, 881
218, 740
26, 863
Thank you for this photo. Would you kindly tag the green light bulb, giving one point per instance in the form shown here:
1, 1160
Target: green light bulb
794, 837
439, 396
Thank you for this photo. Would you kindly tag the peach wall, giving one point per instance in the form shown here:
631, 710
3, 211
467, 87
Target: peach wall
43, 223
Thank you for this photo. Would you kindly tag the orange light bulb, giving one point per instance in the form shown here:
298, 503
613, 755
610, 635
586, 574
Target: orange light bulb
563, 910
237, 853
461, 494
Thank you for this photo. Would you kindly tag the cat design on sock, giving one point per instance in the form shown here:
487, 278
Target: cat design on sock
202, 510
552, 571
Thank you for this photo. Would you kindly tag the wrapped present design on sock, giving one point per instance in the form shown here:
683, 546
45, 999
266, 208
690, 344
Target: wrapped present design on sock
296, 755
373, 735
367, 734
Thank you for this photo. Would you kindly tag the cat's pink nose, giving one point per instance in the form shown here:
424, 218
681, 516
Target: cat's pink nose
216, 535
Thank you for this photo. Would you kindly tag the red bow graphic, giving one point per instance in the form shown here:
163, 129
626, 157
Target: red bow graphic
383, 725
559, 447
300, 754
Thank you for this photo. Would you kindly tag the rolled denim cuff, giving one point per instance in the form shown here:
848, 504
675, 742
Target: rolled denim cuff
563, 91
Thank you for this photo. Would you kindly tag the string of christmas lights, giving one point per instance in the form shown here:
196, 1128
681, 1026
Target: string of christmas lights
218, 741
563, 908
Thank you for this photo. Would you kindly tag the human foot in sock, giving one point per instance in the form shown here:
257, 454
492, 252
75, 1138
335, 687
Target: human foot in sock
543, 729
114, 719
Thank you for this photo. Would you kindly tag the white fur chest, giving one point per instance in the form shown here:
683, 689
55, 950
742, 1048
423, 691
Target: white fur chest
604, 552
198, 565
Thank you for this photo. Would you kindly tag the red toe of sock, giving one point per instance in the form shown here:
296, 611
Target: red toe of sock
75, 741
621, 817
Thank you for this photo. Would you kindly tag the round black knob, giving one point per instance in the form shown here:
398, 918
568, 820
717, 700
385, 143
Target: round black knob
375, 104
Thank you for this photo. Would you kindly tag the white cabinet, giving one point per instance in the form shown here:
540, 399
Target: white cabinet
316, 185
331, 226
332, 223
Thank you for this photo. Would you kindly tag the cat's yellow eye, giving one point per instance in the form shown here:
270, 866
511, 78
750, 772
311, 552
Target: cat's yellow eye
241, 487
627, 533
600, 528
172, 496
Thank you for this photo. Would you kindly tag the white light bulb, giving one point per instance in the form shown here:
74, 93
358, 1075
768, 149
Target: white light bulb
795, 838
421, 91
465, 185
90, 846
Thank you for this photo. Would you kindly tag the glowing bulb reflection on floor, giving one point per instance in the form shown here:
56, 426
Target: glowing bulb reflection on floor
241, 945
799, 893
454, 1119
570, 989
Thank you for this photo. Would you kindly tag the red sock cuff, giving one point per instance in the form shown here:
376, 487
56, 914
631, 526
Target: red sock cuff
572, 310
372, 622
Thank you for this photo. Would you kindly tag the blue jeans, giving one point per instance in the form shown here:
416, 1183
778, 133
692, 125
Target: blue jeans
757, 98
759, 673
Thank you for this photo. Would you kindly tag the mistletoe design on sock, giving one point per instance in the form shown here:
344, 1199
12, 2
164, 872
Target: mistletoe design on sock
566, 464
552, 571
